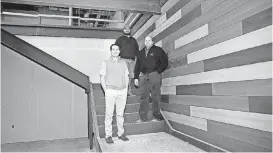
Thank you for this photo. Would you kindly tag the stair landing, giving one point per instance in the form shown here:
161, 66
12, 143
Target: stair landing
151, 142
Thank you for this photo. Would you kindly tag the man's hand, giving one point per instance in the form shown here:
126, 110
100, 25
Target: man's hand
136, 82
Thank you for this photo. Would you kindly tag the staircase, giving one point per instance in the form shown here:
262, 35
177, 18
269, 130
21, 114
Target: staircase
151, 136
130, 115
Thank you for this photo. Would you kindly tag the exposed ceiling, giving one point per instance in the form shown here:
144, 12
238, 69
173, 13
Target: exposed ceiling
83, 17
63, 11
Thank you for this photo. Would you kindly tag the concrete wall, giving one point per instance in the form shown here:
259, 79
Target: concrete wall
36, 104
218, 85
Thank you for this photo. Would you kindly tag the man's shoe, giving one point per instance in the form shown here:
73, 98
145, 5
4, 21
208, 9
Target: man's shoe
123, 137
109, 140
141, 121
155, 120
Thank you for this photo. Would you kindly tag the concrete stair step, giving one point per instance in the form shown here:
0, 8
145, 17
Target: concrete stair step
130, 100
97, 86
136, 128
136, 91
128, 118
99, 93
129, 108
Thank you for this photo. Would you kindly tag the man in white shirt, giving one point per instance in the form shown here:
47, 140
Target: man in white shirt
114, 78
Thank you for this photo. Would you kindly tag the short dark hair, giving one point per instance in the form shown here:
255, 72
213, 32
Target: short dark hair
150, 37
114, 45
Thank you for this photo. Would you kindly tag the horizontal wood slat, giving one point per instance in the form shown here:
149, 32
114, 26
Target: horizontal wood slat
238, 14
192, 36
166, 24
190, 16
180, 61
261, 87
197, 89
260, 104
249, 40
253, 55
180, 4
215, 12
246, 119
237, 103
168, 47
176, 108
246, 72
225, 34
248, 135
209, 4
145, 26
170, 90
184, 70
140, 23
257, 21
226, 143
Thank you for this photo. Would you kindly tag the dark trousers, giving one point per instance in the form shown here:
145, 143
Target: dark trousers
150, 83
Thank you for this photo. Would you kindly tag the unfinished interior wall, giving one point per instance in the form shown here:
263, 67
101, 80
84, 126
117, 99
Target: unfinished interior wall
37, 104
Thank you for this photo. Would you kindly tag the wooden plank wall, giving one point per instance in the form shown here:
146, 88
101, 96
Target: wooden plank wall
218, 86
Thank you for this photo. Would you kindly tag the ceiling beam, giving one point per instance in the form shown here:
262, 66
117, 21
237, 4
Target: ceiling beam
62, 31
140, 6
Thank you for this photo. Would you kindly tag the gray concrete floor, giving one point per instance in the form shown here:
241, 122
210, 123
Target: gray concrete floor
152, 142
64, 145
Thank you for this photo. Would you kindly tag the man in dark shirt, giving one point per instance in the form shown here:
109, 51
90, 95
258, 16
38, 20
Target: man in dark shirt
151, 62
128, 51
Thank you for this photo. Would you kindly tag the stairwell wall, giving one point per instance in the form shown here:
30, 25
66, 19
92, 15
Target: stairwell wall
37, 104
83, 54
218, 86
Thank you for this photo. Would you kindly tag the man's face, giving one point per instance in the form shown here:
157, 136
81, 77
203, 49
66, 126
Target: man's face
148, 42
115, 51
126, 30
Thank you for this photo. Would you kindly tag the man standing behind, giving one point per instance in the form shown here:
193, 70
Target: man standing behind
114, 81
151, 62
128, 51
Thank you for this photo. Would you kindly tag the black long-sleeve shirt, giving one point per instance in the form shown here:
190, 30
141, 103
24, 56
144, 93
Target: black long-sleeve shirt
156, 60
128, 47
